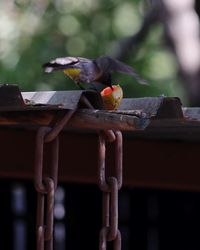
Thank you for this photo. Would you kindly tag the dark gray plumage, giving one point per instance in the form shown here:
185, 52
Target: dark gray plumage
91, 70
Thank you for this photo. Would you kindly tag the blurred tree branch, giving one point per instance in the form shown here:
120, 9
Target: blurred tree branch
181, 31
197, 7
123, 47
181, 27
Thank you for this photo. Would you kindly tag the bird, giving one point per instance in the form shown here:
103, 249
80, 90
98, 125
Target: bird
84, 70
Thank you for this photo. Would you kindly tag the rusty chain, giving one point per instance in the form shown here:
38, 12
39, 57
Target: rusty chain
46, 183
110, 187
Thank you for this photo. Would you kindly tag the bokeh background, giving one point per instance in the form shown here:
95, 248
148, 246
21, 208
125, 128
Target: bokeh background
159, 38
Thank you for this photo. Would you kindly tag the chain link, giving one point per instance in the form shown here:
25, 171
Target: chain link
103, 239
45, 187
46, 181
110, 187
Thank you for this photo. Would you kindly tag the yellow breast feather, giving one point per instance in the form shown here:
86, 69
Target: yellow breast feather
72, 73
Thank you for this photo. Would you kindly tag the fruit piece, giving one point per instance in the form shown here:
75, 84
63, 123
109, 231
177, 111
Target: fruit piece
112, 97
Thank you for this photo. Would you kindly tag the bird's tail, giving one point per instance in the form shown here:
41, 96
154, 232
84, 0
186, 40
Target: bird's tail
137, 77
110, 64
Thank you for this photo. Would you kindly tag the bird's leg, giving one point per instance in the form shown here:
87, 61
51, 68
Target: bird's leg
79, 85
110, 86
109, 81
94, 87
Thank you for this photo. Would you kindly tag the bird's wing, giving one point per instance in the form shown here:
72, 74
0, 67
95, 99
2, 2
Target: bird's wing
110, 64
65, 60
59, 63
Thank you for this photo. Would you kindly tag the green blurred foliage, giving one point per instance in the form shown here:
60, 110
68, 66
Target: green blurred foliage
33, 32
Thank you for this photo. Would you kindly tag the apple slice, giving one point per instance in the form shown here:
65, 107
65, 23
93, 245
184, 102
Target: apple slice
112, 97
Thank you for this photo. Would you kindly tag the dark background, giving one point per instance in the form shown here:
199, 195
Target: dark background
148, 219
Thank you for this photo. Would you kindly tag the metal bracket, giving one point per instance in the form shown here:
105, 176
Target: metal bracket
10, 96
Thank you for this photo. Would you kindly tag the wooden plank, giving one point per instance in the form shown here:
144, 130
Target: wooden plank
147, 163
83, 119
155, 107
99, 119
192, 113
70, 99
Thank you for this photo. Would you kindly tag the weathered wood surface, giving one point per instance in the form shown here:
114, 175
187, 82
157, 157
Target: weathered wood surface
152, 163
192, 113
65, 99
158, 114
157, 107
82, 119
